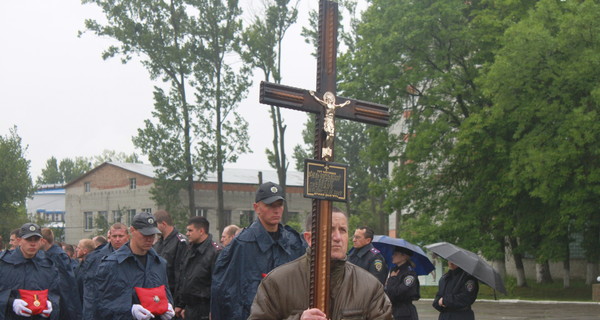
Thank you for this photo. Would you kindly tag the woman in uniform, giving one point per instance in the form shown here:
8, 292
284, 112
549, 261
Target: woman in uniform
456, 293
402, 285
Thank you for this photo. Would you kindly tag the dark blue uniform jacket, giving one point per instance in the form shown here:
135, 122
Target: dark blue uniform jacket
117, 276
242, 264
70, 306
459, 290
86, 279
370, 259
38, 273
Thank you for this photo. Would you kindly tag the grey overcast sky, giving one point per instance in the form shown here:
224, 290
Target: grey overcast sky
68, 102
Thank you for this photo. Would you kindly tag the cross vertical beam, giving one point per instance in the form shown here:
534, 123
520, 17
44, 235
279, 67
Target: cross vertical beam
320, 266
355, 110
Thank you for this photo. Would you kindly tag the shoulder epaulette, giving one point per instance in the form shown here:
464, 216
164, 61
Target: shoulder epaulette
216, 246
182, 238
374, 250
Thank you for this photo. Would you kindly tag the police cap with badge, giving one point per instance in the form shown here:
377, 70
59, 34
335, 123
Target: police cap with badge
145, 223
29, 230
269, 192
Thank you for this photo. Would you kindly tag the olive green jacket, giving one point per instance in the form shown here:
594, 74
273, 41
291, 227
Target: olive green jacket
355, 293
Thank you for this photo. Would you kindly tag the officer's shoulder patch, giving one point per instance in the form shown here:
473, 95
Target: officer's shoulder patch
378, 264
374, 250
216, 246
181, 237
470, 285
409, 280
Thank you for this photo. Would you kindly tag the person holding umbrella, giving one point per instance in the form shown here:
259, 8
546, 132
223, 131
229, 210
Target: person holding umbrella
457, 291
402, 285
459, 287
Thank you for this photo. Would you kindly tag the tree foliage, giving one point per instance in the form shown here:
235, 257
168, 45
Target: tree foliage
64, 171
15, 182
495, 110
263, 40
184, 44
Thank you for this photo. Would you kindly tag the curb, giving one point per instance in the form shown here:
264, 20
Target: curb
530, 301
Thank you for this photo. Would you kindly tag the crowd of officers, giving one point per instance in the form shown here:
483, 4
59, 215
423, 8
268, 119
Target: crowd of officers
183, 276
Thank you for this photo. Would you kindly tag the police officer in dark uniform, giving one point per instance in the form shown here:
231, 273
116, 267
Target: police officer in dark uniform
27, 267
135, 264
193, 293
171, 245
402, 286
364, 255
456, 293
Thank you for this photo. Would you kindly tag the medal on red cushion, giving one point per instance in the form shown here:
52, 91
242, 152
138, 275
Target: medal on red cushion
153, 299
37, 300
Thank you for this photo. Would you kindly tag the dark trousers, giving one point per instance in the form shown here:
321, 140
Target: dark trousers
198, 311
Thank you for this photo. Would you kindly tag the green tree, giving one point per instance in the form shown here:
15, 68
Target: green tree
50, 174
64, 171
114, 156
263, 41
184, 44
15, 182
220, 88
159, 34
70, 169
422, 59
552, 100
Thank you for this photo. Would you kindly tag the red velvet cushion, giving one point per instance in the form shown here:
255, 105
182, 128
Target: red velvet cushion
36, 300
153, 299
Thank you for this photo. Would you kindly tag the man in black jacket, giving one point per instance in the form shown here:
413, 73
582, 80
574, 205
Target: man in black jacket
171, 245
192, 300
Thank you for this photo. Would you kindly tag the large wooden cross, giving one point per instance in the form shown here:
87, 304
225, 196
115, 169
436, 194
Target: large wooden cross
308, 101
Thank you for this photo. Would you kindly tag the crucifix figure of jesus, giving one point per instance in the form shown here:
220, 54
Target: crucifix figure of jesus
326, 111
329, 121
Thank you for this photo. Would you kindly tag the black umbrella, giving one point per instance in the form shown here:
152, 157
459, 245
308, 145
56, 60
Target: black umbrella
470, 263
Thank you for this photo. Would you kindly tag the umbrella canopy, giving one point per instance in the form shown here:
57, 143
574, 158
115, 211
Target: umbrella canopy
470, 263
386, 246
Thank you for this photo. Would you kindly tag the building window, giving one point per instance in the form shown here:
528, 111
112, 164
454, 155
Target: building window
147, 210
201, 212
227, 217
86, 187
130, 215
89, 220
246, 218
117, 216
132, 183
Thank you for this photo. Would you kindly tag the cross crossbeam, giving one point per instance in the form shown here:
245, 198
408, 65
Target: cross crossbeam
299, 99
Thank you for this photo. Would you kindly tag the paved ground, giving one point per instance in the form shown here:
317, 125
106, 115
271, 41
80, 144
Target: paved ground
519, 310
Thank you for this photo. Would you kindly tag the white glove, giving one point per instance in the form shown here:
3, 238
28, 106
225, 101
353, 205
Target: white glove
46, 313
169, 314
20, 308
141, 313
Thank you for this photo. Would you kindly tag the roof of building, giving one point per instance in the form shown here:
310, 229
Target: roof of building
230, 175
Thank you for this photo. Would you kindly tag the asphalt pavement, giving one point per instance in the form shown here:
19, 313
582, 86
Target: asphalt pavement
521, 310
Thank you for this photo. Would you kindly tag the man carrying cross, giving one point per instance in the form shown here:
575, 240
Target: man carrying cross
284, 292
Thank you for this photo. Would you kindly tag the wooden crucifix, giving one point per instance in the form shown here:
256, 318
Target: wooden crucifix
325, 109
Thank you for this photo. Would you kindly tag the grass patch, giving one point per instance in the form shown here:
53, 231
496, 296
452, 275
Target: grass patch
578, 291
